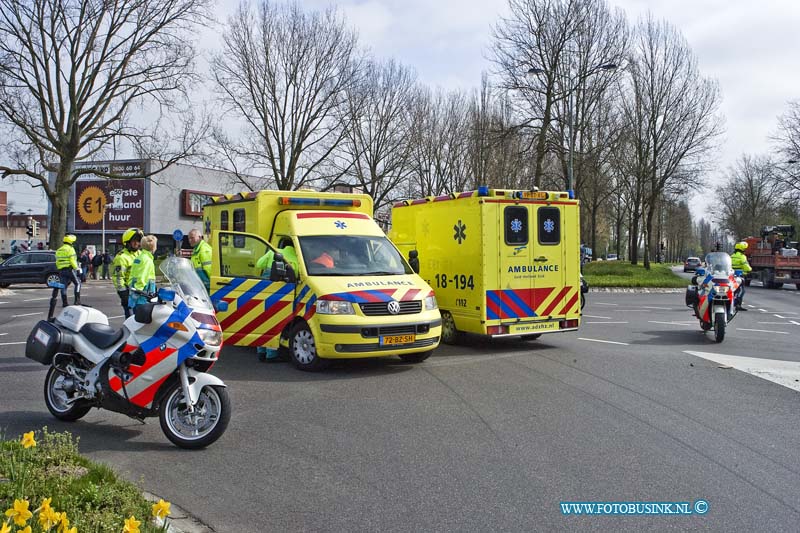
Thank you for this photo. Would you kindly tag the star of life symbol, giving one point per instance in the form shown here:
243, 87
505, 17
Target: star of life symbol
516, 225
460, 230
339, 224
549, 225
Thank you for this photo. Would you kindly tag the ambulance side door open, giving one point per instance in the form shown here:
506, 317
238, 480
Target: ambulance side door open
257, 307
548, 258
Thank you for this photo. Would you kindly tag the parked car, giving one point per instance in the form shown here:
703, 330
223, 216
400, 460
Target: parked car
29, 267
611, 257
691, 264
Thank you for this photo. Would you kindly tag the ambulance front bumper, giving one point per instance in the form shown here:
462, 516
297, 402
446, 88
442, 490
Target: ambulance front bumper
370, 339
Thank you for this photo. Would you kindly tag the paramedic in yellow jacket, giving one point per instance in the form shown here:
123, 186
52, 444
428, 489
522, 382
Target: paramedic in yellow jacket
121, 266
739, 262
201, 257
143, 272
67, 265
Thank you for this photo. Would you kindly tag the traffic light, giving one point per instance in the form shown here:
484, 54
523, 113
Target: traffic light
30, 227
35, 228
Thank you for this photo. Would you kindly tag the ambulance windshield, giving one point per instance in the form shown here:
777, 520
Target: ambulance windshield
185, 281
351, 255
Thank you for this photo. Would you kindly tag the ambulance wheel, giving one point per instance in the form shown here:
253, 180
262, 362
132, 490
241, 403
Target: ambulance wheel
303, 350
414, 358
450, 334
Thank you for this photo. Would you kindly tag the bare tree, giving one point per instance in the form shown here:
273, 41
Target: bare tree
286, 74
750, 198
671, 111
71, 72
787, 140
374, 154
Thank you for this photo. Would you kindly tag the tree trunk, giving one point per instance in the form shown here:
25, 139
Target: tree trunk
541, 143
648, 236
59, 199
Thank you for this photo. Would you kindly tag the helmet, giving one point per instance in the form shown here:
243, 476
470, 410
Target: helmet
132, 233
742, 246
70, 239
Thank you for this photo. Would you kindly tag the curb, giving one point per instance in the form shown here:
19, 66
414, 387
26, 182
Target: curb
180, 521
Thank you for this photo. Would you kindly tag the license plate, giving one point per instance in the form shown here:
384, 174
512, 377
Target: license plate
397, 339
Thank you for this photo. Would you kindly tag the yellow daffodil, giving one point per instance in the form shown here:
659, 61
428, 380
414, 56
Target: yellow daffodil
27, 440
131, 525
5, 528
63, 524
161, 509
48, 518
19, 513
27, 529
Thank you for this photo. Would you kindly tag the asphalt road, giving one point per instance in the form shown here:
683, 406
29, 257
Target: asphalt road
486, 436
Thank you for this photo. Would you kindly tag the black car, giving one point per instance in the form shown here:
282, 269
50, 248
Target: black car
29, 267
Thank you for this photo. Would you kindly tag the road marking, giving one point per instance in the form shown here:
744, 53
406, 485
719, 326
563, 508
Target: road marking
795, 322
604, 322
27, 314
120, 316
664, 308
786, 373
1, 334
10, 343
593, 316
601, 303
687, 324
3, 302
763, 331
605, 342
763, 310
111, 293
35, 299
775, 323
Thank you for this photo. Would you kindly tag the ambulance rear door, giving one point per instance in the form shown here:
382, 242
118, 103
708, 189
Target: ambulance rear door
510, 298
552, 297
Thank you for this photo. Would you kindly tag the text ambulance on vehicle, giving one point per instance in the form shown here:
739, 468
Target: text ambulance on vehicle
363, 301
501, 262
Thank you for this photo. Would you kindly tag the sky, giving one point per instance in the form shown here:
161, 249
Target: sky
751, 48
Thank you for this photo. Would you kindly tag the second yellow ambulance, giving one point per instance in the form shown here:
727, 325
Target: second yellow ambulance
501, 262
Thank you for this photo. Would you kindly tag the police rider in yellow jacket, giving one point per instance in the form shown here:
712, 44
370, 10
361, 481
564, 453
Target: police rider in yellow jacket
122, 264
201, 257
143, 272
67, 265
739, 262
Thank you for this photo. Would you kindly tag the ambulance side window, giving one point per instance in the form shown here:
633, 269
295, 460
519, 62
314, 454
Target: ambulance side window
516, 225
223, 220
549, 225
238, 220
238, 255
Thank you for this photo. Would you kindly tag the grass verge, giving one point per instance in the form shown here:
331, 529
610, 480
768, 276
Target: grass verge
622, 274
47, 485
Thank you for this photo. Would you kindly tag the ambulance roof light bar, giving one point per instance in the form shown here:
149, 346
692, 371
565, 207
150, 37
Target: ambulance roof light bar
325, 202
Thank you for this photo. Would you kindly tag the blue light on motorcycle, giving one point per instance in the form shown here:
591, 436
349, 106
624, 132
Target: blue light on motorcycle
166, 295
737, 272
221, 306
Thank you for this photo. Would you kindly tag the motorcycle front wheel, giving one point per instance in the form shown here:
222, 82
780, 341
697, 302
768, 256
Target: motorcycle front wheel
719, 327
196, 429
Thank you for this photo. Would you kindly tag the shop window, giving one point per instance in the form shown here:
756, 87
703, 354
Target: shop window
516, 225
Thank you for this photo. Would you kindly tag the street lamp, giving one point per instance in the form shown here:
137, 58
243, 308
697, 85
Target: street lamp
532, 73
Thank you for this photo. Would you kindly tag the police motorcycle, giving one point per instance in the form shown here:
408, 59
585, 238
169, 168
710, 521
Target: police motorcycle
714, 292
156, 365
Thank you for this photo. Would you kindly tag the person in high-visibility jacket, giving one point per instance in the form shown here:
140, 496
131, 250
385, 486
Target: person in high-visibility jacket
67, 265
143, 272
739, 262
201, 257
122, 263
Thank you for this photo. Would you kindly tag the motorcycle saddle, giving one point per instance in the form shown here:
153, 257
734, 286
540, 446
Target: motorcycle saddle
101, 335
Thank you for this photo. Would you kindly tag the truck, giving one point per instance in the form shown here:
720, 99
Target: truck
364, 301
502, 262
774, 257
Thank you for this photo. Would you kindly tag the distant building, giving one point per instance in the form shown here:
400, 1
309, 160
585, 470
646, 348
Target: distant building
170, 200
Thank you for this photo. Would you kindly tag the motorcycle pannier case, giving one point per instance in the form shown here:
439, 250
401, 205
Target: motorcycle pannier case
44, 342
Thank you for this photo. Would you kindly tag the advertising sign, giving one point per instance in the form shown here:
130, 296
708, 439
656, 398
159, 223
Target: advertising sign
120, 201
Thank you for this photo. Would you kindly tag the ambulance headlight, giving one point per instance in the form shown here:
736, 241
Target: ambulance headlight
334, 307
210, 337
430, 302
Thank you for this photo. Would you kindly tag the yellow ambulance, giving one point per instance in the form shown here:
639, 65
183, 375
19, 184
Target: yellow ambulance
351, 295
501, 262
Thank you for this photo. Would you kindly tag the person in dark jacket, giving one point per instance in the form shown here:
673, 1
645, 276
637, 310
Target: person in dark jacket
97, 260
107, 259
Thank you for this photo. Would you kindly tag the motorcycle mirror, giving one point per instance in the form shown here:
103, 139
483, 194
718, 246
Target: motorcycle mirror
221, 305
701, 272
166, 295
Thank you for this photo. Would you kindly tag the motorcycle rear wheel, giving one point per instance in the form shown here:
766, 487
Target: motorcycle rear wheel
57, 399
198, 430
